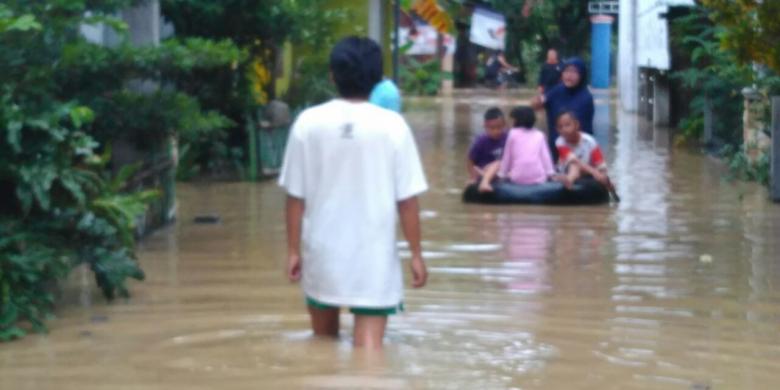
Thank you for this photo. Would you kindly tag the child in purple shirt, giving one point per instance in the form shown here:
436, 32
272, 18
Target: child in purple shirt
526, 159
486, 150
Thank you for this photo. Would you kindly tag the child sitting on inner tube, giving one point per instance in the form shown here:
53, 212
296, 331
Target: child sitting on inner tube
579, 155
486, 150
526, 158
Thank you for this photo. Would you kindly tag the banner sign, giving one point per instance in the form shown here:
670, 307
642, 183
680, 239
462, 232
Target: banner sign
424, 41
433, 14
488, 29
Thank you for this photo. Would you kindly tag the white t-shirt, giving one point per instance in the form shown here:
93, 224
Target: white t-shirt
351, 163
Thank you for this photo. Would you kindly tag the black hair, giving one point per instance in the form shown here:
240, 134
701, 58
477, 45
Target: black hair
524, 116
356, 65
493, 113
570, 113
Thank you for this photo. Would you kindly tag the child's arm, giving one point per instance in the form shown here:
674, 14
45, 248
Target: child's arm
489, 174
498, 168
409, 213
295, 209
573, 172
599, 174
473, 172
596, 166
537, 102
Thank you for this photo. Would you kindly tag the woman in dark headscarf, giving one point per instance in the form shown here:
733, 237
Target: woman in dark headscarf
571, 94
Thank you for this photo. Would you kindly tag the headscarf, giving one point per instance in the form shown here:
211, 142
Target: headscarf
578, 63
577, 99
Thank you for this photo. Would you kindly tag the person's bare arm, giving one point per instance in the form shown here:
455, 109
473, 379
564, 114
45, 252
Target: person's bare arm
409, 213
502, 60
599, 174
295, 208
491, 171
573, 173
473, 171
537, 102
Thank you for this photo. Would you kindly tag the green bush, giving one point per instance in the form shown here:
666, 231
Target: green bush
421, 78
63, 211
741, 167
63, 101
259, 29
714, 74
309, 85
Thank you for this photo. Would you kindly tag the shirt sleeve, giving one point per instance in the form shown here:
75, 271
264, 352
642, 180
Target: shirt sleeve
565, 154
409, 176
597, 158
293, 174
564, 151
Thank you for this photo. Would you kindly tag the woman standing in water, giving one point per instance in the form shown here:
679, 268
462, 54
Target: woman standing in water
571, 94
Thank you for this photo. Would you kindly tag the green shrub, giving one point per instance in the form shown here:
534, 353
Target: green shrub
63, 101
421, 78
741, 167
259, 29
714, 74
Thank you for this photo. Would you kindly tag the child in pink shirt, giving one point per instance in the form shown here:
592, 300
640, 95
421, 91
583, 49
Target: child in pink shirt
526, 159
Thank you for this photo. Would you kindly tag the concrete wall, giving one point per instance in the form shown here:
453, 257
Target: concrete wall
143, 21
643, 40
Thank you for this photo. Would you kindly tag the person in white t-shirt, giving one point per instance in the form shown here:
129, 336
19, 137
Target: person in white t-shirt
351, 169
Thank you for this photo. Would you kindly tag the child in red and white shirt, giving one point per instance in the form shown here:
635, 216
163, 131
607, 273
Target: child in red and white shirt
579, 155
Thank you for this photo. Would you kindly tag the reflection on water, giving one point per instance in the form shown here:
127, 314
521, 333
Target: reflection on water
678, 286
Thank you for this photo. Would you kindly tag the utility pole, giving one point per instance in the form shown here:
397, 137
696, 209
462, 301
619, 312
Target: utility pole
396, 40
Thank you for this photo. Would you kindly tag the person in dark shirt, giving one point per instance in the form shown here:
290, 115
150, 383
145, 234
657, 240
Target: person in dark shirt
571, 94
488, 147
495, 68
550, 75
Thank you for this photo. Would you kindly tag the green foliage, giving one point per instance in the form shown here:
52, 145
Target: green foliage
173, 61
63, 101
24, 22
751, 29
718, 73
692, 126
421, 78
153, 117
60, 210
309, 87
259, 28
741, 167
714, 74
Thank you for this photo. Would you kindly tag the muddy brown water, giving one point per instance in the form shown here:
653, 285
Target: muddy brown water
676, 287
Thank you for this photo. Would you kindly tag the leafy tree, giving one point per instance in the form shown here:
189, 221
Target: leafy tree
719, 67
63, 100
751, 29
260, 29
714, 75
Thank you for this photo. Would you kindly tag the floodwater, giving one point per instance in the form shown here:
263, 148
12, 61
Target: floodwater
676, 287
